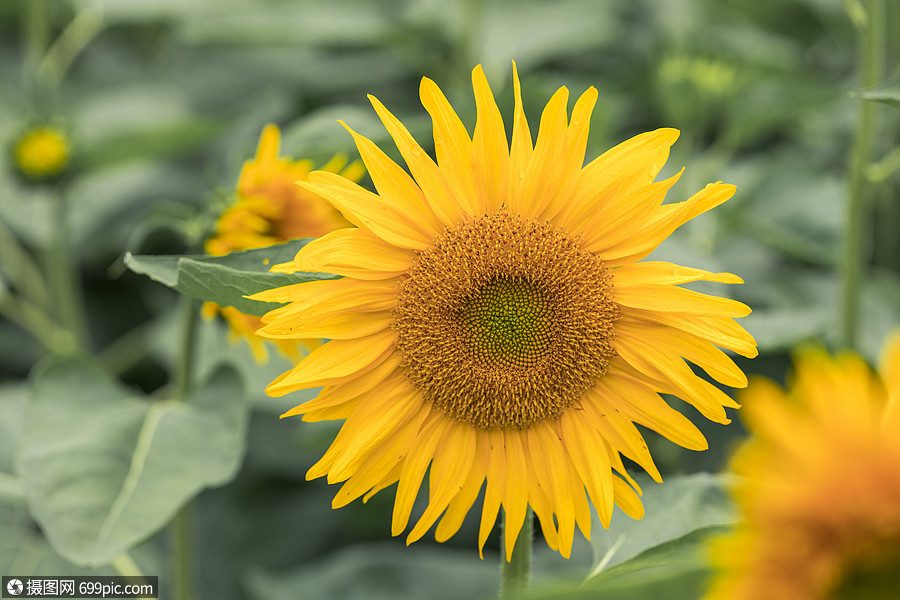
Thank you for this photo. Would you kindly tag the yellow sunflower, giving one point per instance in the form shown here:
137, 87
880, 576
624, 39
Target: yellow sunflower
820, 496
493, 321
272, 209
42, 152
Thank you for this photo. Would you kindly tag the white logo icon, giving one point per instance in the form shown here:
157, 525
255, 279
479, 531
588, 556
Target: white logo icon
14, 587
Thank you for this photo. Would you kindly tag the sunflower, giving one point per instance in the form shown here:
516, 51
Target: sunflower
820, 496
42, 153
493, 321
272, 209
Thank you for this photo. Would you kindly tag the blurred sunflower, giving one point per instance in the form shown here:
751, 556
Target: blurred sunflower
41, 153
493, 321
821, 494
270, 209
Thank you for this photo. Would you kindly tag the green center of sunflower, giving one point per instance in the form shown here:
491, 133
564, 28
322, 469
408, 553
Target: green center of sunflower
508, 322
505, 322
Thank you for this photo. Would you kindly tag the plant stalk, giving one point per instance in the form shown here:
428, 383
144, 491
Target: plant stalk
63, 275
852, 265
515, 575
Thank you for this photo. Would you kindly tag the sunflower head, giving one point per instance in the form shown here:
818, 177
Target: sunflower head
821, 485
493, 326
41, 153
270, 209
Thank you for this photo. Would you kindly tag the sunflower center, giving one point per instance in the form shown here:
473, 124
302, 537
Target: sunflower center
505, 322
870, 579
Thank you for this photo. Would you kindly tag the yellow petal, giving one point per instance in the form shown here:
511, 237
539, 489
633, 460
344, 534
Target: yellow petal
665, 273
460, 505
420, 455
722, 331
395, 186
550, 461
543, 175
449, 472
392, 223
576, 140
490, 153
351, 253
439, 195
334, 395
669, 217
618, 172
335, 362
321, 299
648, 358
373, 422
521, 148
493, 458
665, 298
515, 503
642, 405
452, 147
590, 460
339, 326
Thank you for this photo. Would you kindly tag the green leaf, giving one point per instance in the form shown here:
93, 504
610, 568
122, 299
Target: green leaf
886, 92
225, 280
675, 570
385, 572
103, 469
672, 509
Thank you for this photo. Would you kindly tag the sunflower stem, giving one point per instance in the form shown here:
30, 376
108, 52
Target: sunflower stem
184, 369
515, 575
872, 43
63, 275
181, 542
184, 381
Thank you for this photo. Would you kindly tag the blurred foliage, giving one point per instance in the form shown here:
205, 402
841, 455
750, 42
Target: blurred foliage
164, 99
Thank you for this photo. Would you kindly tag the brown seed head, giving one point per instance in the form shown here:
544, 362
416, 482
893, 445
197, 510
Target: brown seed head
505, 321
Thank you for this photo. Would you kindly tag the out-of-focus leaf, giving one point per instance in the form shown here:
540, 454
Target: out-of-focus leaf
880, 312
680, 505
24, 551
225, 280
384, 572
783, 328
886, 92
103, 470
674, 570
170, 139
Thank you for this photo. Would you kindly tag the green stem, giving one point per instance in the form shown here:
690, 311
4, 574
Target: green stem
37, 31
515, 575
184, 369
24, 274
872, 42
54, 338
184, 381
126, 567
64, 283
181, 540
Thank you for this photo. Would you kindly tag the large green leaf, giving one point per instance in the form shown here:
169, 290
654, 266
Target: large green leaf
386, 572
676, 570
103, 469
225, 280
672, 509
